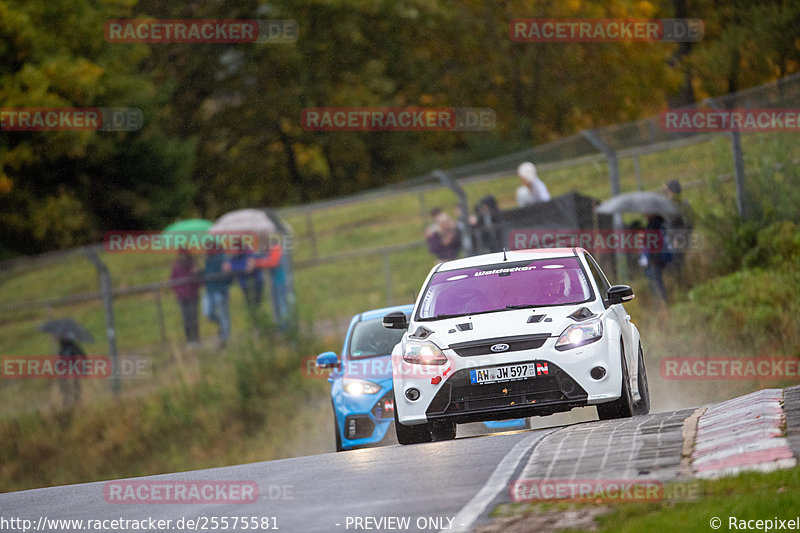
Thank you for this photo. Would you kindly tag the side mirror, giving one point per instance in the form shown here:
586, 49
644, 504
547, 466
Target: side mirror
395, 320
618, 294
327, 360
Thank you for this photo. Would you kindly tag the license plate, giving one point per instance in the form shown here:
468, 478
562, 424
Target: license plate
497, 374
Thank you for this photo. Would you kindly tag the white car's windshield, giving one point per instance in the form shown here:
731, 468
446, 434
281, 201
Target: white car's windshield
503, 286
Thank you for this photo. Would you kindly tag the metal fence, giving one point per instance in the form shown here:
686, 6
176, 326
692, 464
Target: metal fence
366, 250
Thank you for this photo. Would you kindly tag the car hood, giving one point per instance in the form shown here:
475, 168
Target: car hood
551, 321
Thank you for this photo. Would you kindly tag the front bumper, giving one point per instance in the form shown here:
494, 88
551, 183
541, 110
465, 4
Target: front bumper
566, 384
364, 421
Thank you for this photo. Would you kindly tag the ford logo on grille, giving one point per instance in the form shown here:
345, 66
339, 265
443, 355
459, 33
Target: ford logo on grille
502, 347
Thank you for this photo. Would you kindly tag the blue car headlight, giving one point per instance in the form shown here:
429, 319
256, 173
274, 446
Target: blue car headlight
580, 334
357, 387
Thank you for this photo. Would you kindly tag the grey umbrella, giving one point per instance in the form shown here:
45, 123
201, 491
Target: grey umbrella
66, 328
649, 203
246, 220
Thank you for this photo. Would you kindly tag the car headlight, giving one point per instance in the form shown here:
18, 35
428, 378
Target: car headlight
357, 387
580, 334
423, 353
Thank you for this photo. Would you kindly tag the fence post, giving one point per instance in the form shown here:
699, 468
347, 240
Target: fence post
160, 312
311, 234
638, 170
422, 211
462, 204
620, 261
387, 274
108, 308
738, 163
738, 175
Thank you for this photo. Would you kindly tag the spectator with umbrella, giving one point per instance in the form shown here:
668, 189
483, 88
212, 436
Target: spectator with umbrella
67, 334
656, 207
185, 275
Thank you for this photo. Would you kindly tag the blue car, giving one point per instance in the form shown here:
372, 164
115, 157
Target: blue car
361, 381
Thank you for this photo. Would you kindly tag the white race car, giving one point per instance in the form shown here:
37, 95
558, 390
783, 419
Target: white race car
515, 334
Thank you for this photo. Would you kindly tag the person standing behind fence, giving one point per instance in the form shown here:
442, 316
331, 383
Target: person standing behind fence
654, 261
443, 236
217, 290
533, 190
679, 227
187, 292
70, 385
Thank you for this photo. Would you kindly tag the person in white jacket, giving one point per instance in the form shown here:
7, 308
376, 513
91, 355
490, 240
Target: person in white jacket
532, 190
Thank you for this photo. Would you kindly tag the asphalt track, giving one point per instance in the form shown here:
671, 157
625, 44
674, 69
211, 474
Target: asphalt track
440, 486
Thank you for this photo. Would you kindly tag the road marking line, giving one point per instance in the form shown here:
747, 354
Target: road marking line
499, 479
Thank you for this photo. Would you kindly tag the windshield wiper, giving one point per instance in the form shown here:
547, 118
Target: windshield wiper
522, 306
442, 315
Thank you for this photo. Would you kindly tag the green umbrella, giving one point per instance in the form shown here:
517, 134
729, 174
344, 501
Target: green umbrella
199, 225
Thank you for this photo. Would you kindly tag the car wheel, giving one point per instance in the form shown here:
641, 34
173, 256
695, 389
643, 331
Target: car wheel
443, 431
410, 434
642, 407
623, 407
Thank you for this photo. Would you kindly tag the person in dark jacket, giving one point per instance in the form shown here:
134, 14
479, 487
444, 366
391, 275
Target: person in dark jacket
654, 261
187, 292
217, 291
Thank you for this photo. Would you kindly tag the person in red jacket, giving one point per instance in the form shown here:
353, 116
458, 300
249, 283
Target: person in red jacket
185, 270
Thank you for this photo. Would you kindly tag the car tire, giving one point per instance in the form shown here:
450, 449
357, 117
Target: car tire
443, 431
622, 407
410, 434
642, 407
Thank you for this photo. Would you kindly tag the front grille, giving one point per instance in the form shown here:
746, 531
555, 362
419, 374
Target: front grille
384, 408
459, 396
515, 344
358, 427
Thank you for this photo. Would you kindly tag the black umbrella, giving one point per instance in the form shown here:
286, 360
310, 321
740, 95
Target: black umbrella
66, 328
